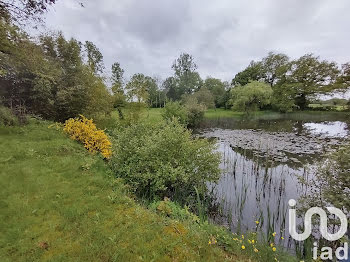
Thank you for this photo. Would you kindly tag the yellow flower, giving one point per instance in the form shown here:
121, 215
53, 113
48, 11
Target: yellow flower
209, 243
282, 238
274, 249
274, 234
242, 236
257, 222
243, 247
271, 245
256, 250
249, 241
253, 241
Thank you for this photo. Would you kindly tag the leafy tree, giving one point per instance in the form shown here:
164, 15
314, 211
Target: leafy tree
186, 80
251, 97
94, 56
217, 88
204, 97
344, 78
49, 79
169, 86
275, 67
117, 77
253, 72
283, 98
25, 10
138, 87
310, 76
119, 98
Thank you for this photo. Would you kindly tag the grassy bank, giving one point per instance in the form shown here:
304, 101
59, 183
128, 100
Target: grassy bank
59, 203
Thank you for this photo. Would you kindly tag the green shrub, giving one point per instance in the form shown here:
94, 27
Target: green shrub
163, 160
175, 110
7, 118
195, 112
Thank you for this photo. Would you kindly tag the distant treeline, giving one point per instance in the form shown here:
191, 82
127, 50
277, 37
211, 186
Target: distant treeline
58, 78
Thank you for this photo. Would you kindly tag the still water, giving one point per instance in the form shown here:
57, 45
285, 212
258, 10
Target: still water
264, 164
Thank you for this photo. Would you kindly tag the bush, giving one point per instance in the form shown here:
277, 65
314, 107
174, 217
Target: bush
163, 160
7, 118
175, 110
85, 131
195, 112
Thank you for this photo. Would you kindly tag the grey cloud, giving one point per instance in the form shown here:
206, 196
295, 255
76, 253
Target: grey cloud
223, 36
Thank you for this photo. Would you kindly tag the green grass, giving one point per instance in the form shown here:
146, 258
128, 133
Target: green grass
60, 203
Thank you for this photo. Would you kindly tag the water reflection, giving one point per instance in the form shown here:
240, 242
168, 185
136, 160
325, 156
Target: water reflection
328, 129
263, 164
248, 191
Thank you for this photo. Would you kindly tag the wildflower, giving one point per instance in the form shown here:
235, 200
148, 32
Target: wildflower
257, 222
249, 241
256, 250
274, 234
243, 247
271, 245
209, 243
274, 249
253, 241
242, 236
282, 238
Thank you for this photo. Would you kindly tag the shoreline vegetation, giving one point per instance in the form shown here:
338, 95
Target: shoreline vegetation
60, 202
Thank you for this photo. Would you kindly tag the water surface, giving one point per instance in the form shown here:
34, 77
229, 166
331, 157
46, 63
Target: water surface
265, 162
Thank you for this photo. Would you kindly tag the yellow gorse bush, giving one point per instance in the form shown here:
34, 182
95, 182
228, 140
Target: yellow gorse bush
85, 131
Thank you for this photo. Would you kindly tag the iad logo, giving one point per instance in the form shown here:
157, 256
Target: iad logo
341, 252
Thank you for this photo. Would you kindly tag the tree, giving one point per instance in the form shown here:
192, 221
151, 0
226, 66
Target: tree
186, 80
344, 78
138, 87
94, 56
274, 67
283, 98
49, 78
157, 96
253, 72
251, 97
204, 97
310, 76
117, 76
217, 88
119, 98
22, 11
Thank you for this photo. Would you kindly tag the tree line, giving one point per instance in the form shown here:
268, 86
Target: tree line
58, 78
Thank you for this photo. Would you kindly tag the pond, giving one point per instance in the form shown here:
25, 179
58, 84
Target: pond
264, 161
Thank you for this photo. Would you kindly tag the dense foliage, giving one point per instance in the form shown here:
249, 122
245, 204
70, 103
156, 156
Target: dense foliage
85, 131
251, 97
295, 82
49, 78
175, 110
189, 114
164, 160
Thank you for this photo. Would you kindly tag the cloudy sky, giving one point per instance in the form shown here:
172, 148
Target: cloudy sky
146, 36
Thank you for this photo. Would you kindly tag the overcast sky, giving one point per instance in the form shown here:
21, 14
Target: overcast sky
146, 36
